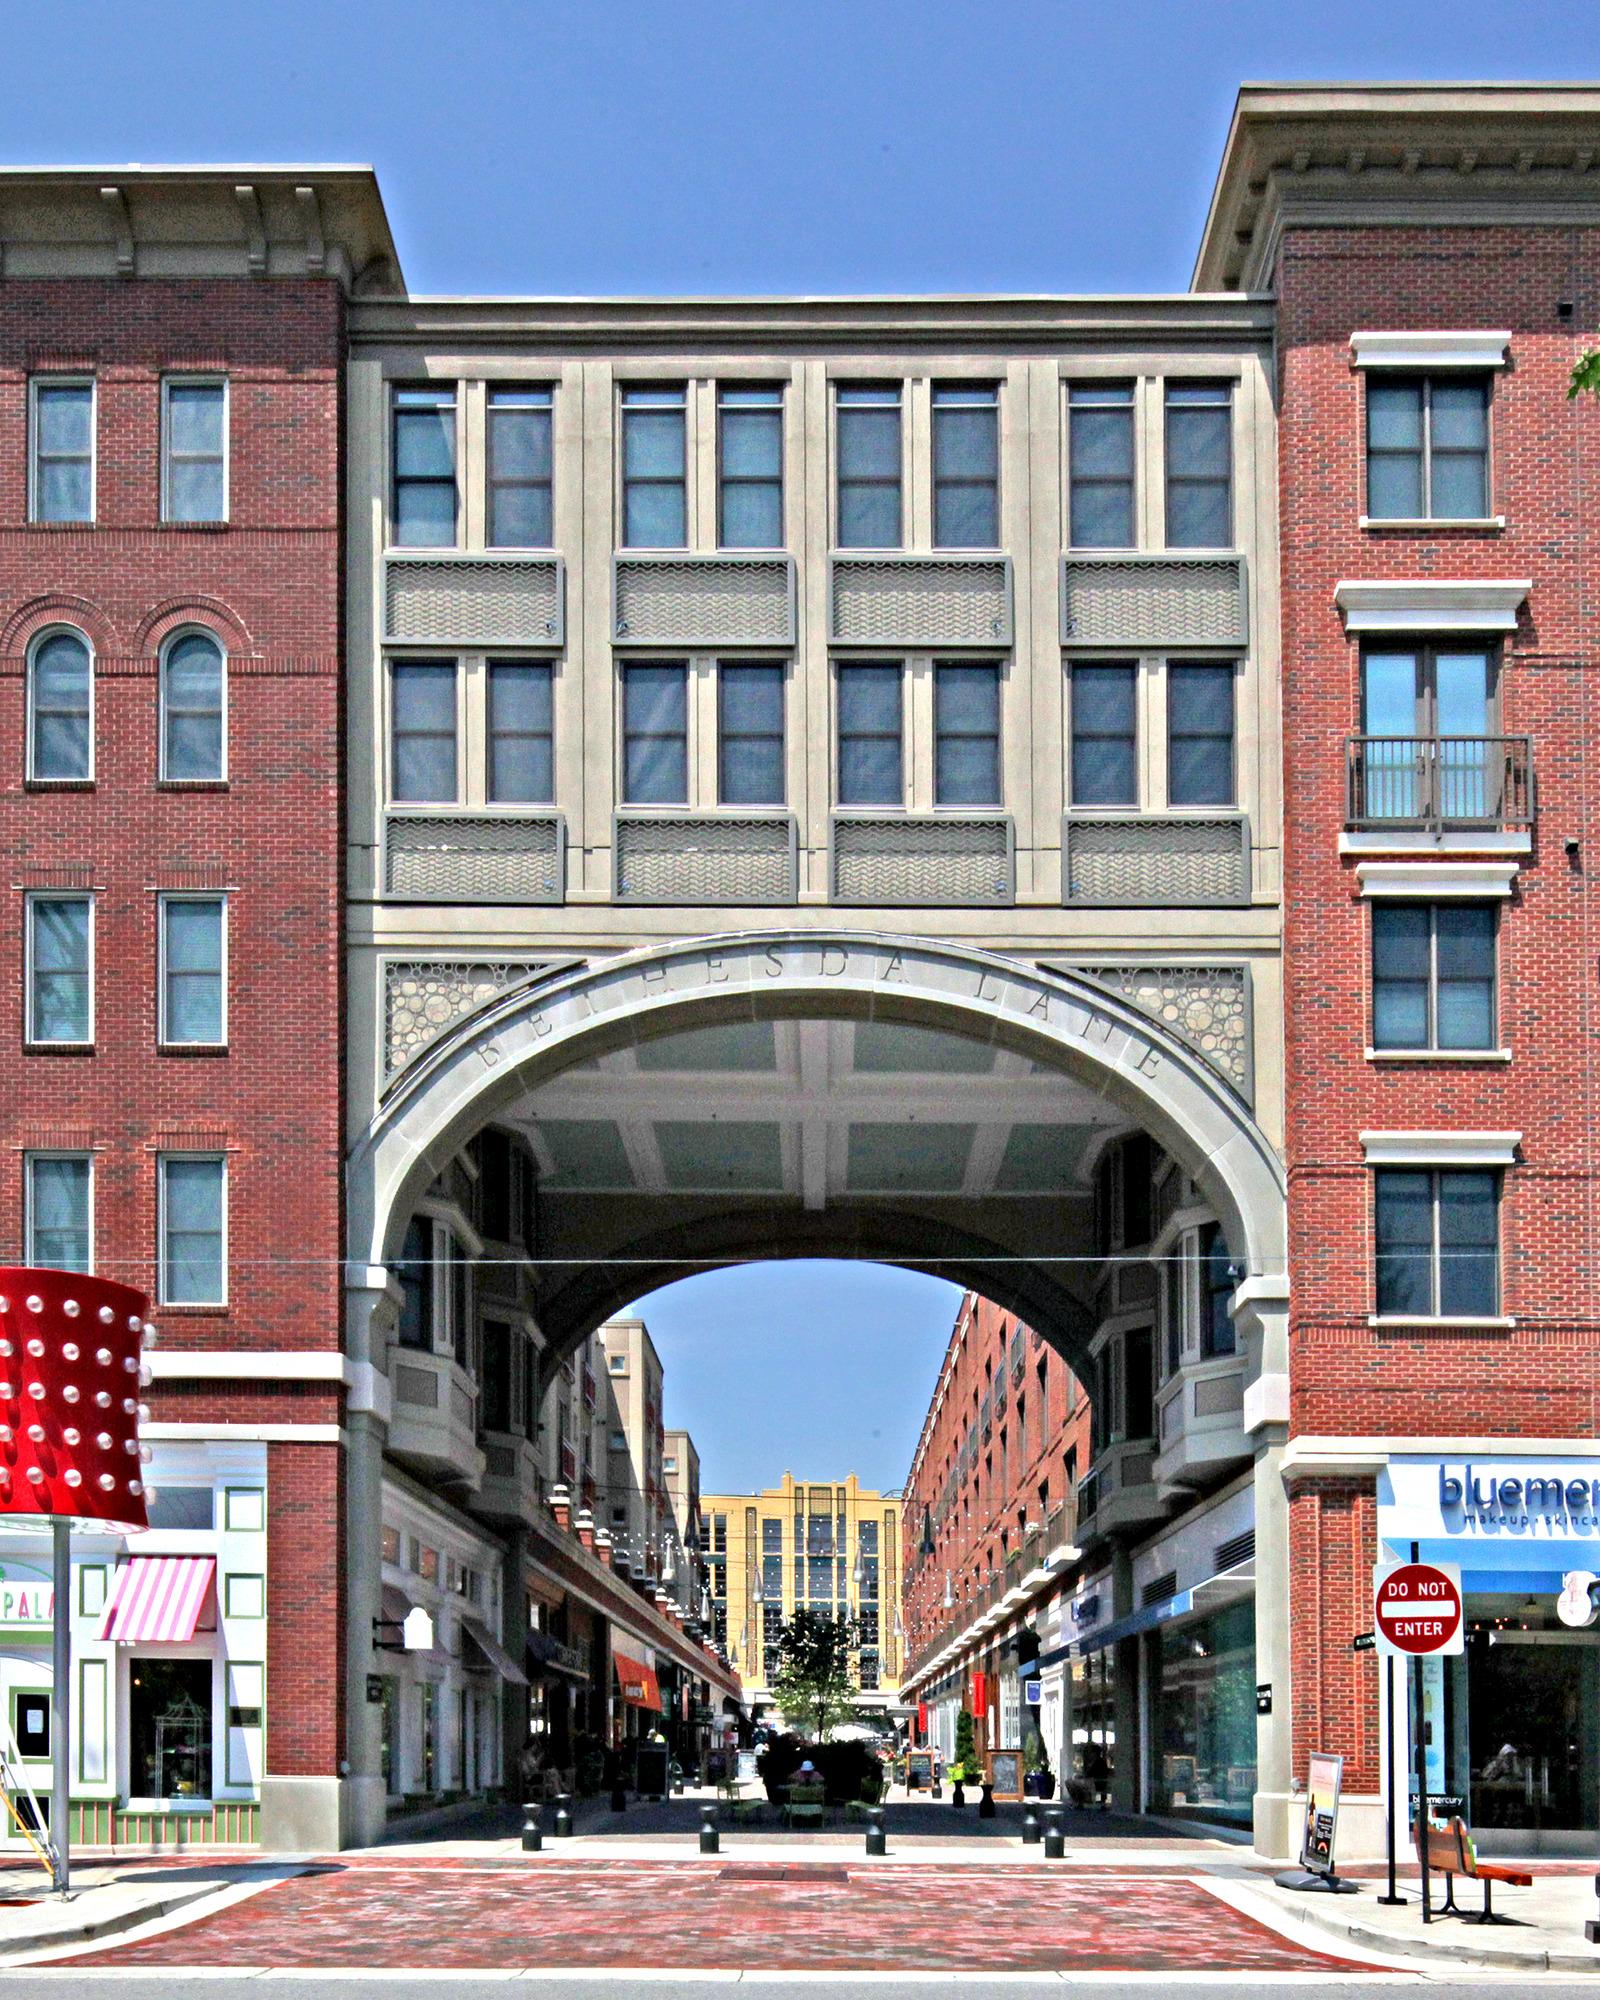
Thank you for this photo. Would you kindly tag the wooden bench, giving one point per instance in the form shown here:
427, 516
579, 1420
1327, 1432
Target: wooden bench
1451, 1853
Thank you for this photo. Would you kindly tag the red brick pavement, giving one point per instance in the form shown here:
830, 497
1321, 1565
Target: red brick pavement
704, 1915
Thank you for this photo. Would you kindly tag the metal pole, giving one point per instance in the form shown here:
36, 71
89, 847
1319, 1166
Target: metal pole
1422, 1783
1391, 1719
61, 1728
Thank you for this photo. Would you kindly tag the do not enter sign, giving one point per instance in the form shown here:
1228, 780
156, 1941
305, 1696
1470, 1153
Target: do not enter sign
1416, 1608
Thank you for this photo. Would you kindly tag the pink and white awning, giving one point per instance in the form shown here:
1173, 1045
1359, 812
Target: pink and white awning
157, 1600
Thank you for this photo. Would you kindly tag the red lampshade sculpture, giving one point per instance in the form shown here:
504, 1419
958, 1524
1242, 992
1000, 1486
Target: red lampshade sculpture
72, 1372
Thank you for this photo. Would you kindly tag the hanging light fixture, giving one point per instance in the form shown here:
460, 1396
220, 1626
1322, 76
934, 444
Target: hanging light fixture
949, 1593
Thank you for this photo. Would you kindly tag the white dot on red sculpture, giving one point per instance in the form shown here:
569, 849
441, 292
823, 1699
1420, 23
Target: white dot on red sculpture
5, 1434
69, 1350
71, 1308
73, 1476
7, 1349
131, 1363
105, 1440
36, 1348
129, 1407
106, 1315
135, 1488
104, 1356
106, 1483
131, 1447
35, 1304
71, 1392
145, 1453
134, 1322
36, 1432
68, 1436
37, 1391
35, 1476
144, 1413
102, 1400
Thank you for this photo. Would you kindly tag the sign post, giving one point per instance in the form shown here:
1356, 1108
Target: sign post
1417, 1614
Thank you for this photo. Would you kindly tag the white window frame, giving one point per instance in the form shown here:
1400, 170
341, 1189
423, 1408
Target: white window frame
52, 1153
162, 1162
202, 379
32, 897
64, 379
164, 900
164, 776
35, 641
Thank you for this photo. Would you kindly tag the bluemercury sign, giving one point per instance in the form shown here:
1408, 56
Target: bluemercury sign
27, 1596
1526, 1499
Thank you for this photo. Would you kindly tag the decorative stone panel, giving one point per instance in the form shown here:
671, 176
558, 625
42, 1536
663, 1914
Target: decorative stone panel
885, 599
946, 859
1205, 1006
482, 599
1163, 601
422, 1000
1170, 859
729, 599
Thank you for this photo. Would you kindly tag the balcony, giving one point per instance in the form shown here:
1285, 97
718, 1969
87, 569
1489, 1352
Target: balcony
1118, 1495
1202, 1424
1431, 783
512, 1487
434, 1423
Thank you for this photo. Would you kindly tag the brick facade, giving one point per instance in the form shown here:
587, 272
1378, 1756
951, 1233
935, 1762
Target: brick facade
267, 585
1539, 1377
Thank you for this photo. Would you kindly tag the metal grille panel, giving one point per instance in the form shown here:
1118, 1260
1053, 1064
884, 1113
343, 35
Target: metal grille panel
1153, 601
889, 600
684, 600
475, 857
922, 861
673, 858
1162, 861
476, 600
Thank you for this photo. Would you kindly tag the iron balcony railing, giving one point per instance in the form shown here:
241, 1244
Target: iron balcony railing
1438, 781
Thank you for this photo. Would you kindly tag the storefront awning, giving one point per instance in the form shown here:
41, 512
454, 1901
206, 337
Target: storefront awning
546, 1655
640, 1688
493, 1655
157, 1600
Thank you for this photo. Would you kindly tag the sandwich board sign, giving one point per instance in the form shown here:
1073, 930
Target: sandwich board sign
1322, 1813
1417, 1609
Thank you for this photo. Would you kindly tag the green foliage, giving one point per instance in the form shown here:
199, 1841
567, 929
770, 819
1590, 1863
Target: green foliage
813, 1683
1586, 375
965, 1765
1034, 1755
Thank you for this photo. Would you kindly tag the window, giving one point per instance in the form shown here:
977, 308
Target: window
193, 971
192, 692
1104, 736
1216, 1289
56, 1227
966, 466
1138, 1384
423, 729
1427, 447
1433, 975
867, 442
1437, 1237
1200, 736
655, 735
966, 727
425, 468
654, 498
618, 1364
60, 696
169, 1728
61, 463
1199, 465
521, 733
1100, 458
520, 461
60, 969
750, 467
414, 1326
194, 449
191, 1226
1444, 698
494, 1407
750, 735
871, 746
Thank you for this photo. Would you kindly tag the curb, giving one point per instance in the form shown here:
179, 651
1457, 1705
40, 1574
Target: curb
63, 1935
1441, 1954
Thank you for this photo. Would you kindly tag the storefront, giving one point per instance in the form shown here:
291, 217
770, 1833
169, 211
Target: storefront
1513, 1722
1203, 1715
169, 1659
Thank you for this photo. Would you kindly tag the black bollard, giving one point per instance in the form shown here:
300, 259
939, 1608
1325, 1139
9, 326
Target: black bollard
938, 1789
619, 1797
958, 1797
877, 1839
710, 1839
986, 1803
1030, 1826
1055, 1841
532, 1838
563, 1825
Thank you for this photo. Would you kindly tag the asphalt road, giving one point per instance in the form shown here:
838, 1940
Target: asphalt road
56, 1983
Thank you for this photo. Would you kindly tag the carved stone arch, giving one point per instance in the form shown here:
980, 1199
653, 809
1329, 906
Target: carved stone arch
210, 614
56, 608
494, 1056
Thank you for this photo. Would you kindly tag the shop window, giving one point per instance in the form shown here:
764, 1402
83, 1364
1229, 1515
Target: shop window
1205, 1717
30, 1723
169, 1728
1437, 1239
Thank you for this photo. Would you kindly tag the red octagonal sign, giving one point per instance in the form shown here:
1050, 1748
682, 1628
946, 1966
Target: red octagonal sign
1417, 1608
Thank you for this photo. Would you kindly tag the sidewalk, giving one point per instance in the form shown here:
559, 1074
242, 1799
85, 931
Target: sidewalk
1545, 1936
110, 1897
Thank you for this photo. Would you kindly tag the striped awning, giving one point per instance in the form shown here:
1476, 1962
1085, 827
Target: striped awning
157, 1600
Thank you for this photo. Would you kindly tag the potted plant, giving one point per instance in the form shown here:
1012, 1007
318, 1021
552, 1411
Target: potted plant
1038, 1780
966, 1767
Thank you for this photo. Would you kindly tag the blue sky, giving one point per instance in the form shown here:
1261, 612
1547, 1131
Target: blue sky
742, 145
733, 145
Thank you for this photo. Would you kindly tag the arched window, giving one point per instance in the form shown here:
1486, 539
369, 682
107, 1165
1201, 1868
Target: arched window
60, 708
192, 704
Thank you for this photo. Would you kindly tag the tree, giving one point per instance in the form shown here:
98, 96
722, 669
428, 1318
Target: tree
966, 1756
1586, 375
813, 1682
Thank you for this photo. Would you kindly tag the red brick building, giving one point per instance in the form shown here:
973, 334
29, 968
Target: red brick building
171, 353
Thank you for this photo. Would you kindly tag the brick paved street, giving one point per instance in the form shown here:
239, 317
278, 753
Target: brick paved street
728, 1914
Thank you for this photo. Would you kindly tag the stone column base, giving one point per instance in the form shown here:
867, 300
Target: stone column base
319, 1815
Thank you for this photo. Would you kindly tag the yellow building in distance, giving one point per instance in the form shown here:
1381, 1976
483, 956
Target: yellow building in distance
830, 1546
